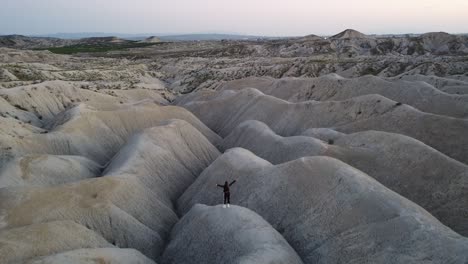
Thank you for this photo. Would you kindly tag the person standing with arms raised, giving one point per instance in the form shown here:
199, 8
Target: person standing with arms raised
227, 194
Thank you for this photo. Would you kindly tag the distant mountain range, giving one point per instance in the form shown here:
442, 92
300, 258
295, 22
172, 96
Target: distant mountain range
166, 37
25, 42
93, 35
68, 39
61, 40
347, 43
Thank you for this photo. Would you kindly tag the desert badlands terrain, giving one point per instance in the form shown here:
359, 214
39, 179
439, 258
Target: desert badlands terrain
346, 149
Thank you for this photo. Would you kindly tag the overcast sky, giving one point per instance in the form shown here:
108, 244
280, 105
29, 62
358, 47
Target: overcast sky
255, 17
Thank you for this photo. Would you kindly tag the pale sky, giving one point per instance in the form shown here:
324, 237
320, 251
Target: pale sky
254, 17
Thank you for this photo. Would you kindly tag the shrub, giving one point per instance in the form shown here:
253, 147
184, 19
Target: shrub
20, 107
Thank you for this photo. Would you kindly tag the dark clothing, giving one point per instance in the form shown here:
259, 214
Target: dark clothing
227, 198
226, 186
227, 194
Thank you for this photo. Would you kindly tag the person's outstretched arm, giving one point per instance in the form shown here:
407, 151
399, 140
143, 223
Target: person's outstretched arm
232, 182
222, 186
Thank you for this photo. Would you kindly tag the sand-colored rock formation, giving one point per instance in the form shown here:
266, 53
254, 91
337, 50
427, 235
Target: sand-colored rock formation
368, 112
146, 176
330, 212
335, 88
447, 84
152, 39
349, 34
226, 235
93, 256
48, 99
47, 170
20, 244
403, 164
97, 135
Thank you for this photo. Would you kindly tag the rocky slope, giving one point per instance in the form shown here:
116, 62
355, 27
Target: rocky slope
190, 65
25, 42
402, 164
330, 212
420, 95
205, 230
224, 112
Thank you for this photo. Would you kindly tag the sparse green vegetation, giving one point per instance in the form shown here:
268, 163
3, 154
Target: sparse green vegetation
416, 48
20, 107
370, 71
103, 47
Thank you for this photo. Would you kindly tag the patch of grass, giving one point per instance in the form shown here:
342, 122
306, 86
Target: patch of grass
103, 47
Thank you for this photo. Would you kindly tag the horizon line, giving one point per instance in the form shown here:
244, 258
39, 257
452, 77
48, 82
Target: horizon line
114, 34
